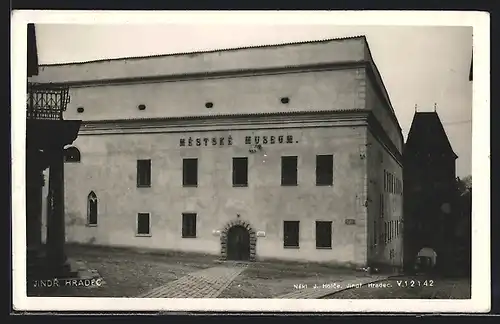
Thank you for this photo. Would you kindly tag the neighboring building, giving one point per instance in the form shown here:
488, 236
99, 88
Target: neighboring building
430, 190
273, 152
46, 135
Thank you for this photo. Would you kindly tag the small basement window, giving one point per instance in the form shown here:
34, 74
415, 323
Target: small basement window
142, 107
80, 109
209, 104
285, 100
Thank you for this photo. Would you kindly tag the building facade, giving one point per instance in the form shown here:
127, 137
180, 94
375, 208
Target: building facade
286, 152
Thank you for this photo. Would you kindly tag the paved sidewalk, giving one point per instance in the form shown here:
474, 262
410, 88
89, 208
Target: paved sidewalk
208, 283
320, 291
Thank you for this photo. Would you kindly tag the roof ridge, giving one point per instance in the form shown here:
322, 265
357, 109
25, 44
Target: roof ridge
208, 51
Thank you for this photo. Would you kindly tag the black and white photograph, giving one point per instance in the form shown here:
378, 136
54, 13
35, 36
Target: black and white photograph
250, 161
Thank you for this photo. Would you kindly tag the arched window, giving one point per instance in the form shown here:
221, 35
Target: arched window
92, 209
71, 154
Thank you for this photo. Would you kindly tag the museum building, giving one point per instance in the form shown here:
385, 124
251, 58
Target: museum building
288, 152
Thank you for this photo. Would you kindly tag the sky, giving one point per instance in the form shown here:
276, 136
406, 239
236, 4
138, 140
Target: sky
426, 66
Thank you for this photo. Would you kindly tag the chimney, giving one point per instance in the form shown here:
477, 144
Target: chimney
32, 51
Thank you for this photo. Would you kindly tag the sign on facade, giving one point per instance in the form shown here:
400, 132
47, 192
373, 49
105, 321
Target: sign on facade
350, 221
228, 141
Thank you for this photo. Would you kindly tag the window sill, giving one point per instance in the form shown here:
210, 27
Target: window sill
324, 185
323, 248
291, 247
190, 186
289, 185
91, 225
189, 237
143, 235
143, 186
240, 185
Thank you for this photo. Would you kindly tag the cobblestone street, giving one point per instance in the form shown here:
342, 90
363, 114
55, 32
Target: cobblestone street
129, 273
209, 283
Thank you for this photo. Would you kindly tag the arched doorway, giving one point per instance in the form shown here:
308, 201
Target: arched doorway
426, 259
238, 243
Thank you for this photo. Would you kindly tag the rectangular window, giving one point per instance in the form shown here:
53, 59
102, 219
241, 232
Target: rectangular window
240, 172
385, 232
385, 181
324, 170
382, 205
323, 234
288, 170
291, 234
143, 224
143, 173
375, 232
388, 231
188, 225
190, 172
380, 230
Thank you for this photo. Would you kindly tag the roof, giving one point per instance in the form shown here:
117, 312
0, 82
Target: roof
318, 53
306, 54
232, 49
427, 135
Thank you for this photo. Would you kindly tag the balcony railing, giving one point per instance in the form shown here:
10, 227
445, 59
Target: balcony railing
46, 101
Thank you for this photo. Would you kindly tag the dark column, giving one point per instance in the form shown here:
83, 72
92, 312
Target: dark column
55, 217
34, 184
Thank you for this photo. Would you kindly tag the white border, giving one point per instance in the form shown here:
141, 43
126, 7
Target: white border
481, 289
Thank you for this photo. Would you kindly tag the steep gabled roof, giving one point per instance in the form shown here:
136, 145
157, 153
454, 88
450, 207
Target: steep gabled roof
427, 136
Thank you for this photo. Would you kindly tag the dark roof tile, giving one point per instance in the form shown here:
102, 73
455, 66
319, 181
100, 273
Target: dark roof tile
427, 135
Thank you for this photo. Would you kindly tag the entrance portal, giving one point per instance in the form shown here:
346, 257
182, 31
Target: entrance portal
238, 243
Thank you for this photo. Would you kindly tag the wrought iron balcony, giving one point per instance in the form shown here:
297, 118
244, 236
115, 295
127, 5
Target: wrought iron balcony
46, 101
